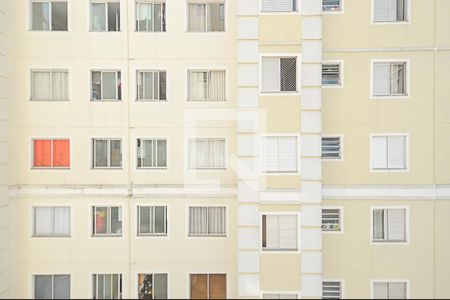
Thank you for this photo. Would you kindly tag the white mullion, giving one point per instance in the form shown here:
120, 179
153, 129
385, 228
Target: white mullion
50, 8
156, 88
106, 18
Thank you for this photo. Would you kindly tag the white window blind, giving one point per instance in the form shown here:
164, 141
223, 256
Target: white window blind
390, 10
206, 153
50, 85
389, 290
331, 147
152, 220
331, 290
207, 220
389, 225
51, 221
151, 16
389, 152
331, 74
51, 286
207, 85
279, 154
278, 5
389, 79
151, 85
279, 296
279, 74
279, 232
331, 219
107, 286
151, 153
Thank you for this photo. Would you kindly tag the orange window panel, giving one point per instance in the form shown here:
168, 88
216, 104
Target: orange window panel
61, 153
199, 286
42, 153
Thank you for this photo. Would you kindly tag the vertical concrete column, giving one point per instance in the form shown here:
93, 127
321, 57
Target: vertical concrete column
311, 162
4, 218
248, 148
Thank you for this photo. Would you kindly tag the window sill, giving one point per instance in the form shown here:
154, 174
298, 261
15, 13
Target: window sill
50, 168
390, 23
389, 243
206, 169
50, 236
107, 235
107, 168
150, 101
46, 31
50, 100
106, 100
390, 97
283, 13
332, 86
276, 173
206, 101
389, 170
152, 168
333, 12
277, 94
207, 235
279, 251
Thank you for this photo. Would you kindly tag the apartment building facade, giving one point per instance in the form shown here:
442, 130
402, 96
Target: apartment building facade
224, 149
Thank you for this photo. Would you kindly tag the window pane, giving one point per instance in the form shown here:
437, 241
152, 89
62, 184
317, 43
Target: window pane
62, 286
40, 16
144, 17
109, 85
216, 220
162, 86
216, 17
42, 153
108, 286
198, 220
101, 284
160, 219
199, 286
161, 286
197, 15
162, 153
116, 220
98, 17
43, 287
41, 86
148, 84
117, 286
113, 16
61, 153
217, 286
60, 86
145, 286
378, 224
216, 85
101, 153
157, 17
96, 85
198, 85
147, 153
101, 220
116, 153
288, 74
144, 220
59, 16
62, 221
43, 222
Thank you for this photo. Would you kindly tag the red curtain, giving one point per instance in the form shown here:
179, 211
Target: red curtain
61, 153
42, 153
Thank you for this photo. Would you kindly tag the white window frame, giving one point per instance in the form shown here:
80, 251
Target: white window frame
341, 149
163, 235
225, 168
407, 153
208, 70
167, 153
106, 15
33, 282
297, 69
108, 220
277, 173
30, 19
51, 71
279, 251
340, 62
52, 206
164, 17
342, 220
208, 235
117, 71
336, 280
281, 293
407, 226
159, 83
408, 15
294, 12
209, 272
53, 138
225, 23
407, 63
373, 281
121, 278
334, 12
108, 156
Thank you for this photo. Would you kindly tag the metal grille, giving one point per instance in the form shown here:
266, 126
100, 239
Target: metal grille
331, 147
288, 74
331, 219
331, 5
331, 290
331, 74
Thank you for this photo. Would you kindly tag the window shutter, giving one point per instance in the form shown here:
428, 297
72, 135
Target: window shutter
270, 154
288, 232
272, 232
397, 290
380, 290
379, 152
287, 154
43, 221
396, 152
62, 221
268, 5
270, 74
381, 79
385, 10
331, 219
278, 5
396, 224
331, 147
331, 290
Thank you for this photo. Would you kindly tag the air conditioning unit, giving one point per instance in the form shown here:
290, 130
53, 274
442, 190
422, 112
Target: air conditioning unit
331, 227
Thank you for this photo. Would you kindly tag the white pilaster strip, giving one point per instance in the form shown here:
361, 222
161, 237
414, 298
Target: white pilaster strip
311, 162
248, 147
